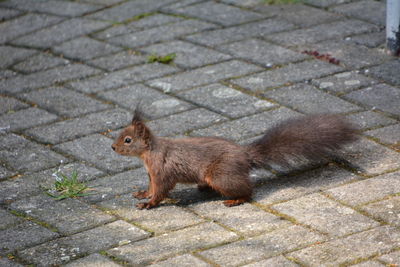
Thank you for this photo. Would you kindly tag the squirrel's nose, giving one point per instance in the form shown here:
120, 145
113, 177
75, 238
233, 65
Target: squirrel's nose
113, 147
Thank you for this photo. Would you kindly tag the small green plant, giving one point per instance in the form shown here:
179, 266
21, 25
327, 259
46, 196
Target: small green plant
161, 59
67, 186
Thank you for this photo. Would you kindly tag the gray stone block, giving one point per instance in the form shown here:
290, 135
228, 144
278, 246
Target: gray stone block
189, 239
161, 33
26, 156
153, 103
185, 260
146, 22
4, 262
275, 261
298, 14
122, 78
174, 217
204, 75
219, 13
286, 187
325, 215
25, 118
369, 119
183, 122
187, 55
34, 184
325, 3
371, 158
226, 100
391, 258
23, 235
262, 52
61, 32
387, 72
70, 129
318, 33
386, 210
11, 55
10, 105
369, 263
371, 11
308, 99
39, 62
253, 29
96, 149
387, 135
118, 61
380, 96
61, 8
263, 246
246, 219
93, 260
64, 102
63, 250
25, 24
5, 173
343, 82
371, 40
361, 245
45, 78
68, 216
7, 13
247, 127
85, 48
117, 185
377, 188
130, 9
4, 74
288, 74
8, 220
350, 56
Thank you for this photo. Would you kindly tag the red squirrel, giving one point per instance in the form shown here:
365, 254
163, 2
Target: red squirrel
222, 165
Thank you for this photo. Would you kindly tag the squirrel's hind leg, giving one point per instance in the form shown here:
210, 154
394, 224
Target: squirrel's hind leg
230, 183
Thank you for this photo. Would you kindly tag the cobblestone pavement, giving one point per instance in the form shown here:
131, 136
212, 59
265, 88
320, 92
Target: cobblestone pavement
71, 72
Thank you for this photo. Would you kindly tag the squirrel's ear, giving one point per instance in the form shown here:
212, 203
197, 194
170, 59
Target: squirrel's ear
137, 116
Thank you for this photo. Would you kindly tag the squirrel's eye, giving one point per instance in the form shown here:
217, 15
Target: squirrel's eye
128, 140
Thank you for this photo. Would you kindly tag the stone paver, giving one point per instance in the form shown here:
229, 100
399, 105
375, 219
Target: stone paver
288, 74
343, 82
360, 245
325, 215
68, 216
226, 100
64, 102
73, 72
260, 247
174, 217
69, 129
188, 239
204, 75
122, 78
67, 248
154, 104
378, 187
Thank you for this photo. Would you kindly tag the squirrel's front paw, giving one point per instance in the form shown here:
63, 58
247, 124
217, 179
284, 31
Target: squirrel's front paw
144, 205
141, 194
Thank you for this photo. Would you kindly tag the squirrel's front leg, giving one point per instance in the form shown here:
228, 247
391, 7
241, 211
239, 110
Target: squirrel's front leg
159, 193
144, 194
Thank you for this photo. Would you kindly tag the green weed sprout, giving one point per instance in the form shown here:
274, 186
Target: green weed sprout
67, 186
161, 59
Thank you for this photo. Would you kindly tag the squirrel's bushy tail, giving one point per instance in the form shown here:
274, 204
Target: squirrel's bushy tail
311, 137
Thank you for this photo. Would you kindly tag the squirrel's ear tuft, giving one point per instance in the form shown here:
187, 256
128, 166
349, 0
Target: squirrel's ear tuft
137, 116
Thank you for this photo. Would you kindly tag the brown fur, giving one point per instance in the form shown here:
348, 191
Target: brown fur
222, 165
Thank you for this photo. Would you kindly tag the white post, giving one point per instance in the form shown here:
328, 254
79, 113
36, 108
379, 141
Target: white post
393, 27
